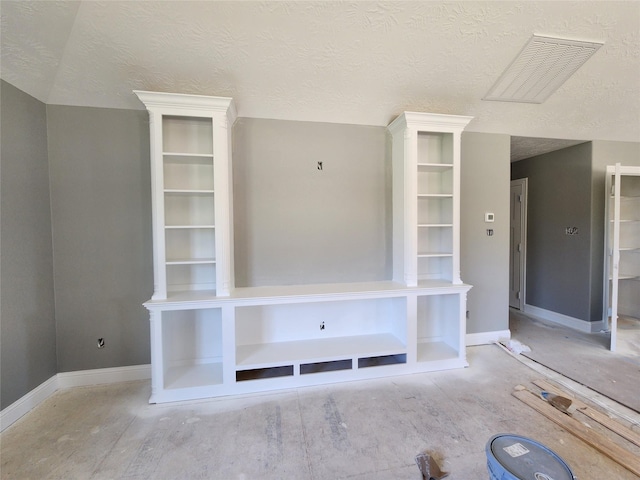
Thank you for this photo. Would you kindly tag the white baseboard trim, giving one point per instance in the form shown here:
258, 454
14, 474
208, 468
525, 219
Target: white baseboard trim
99, 376
486, 338
561, 319
61, 381
26, 403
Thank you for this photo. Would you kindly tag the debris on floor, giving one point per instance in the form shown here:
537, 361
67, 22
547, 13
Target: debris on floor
429, 467
514, 346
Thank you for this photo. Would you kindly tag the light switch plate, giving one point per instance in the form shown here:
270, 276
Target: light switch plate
489, 217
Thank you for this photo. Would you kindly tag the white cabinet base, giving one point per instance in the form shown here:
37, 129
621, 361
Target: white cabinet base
269, 338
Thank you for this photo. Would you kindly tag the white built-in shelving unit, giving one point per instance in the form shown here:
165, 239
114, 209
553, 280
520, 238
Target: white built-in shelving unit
209, 338
622, 265
191, 190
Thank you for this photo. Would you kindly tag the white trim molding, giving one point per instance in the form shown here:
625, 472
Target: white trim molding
61, 381
561, 319
486, 338
28, 402
100, 376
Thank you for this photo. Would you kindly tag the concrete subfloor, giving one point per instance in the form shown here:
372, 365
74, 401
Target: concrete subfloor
359, 430
585, 357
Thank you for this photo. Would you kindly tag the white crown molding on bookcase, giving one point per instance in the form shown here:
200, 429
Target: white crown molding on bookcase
433, 122
189, 102
64, 380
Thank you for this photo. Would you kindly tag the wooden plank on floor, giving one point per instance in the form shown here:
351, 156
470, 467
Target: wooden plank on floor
622, 430
601, 443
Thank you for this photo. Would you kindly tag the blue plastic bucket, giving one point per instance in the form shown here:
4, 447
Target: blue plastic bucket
511, 457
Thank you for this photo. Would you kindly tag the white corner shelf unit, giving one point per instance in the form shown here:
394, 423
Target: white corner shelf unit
622, 245
209, 338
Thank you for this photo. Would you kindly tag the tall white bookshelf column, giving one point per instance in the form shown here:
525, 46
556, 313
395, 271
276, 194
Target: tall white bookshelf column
191, 188
426, 197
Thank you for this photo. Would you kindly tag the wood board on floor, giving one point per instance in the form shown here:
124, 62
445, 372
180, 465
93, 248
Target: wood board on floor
601, 443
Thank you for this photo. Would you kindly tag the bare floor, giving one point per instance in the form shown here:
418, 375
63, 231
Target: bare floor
585, 357
359, 430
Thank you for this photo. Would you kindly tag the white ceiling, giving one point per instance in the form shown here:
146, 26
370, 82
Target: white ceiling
343, 62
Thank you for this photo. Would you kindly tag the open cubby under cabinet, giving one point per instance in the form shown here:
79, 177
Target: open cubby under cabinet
438, 331
298, 333
192, 348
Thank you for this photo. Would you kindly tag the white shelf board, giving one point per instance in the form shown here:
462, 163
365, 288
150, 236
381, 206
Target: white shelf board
435, 225
193, 375
435, 195
179, 154
434, 167
435, 351
191, 261
184, 191
318, 350
434, 254
246, 296
182, 227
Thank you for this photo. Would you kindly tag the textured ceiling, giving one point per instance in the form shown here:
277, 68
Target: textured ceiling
345, 62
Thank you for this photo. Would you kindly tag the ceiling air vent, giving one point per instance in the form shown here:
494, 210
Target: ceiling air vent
542, 66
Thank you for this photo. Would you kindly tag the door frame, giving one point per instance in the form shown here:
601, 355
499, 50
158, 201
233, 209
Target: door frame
524, 183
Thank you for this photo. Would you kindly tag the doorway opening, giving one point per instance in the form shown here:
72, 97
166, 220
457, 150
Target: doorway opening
518, 243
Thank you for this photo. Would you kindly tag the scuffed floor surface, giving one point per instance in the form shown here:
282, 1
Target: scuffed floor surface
361, 430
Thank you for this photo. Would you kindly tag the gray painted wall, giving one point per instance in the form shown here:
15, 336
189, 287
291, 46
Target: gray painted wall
27, 318
101, 216
560, 269
484, 260
295, 224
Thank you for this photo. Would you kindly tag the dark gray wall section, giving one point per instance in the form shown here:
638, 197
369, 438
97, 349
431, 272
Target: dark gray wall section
559, 266
101, 215
295, 224
484, 260
27, 318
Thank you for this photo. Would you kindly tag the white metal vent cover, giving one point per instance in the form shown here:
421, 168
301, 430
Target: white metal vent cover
542, 66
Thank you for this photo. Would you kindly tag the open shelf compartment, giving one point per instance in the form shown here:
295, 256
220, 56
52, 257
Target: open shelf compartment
189, 209
435, 148
191, 277
188, 172
435, 179
192, 348
187, 135
190, 245
438, 327
313, 333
